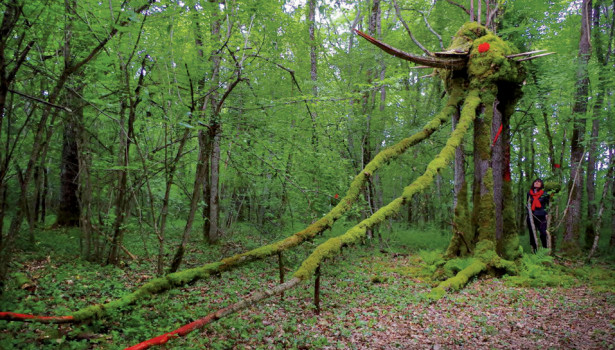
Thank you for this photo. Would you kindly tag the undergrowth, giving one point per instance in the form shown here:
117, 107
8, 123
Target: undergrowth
359, 286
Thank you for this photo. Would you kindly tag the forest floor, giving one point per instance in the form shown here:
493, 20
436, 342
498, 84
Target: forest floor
370, 299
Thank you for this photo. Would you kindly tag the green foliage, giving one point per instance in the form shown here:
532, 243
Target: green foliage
539, 270
410, 239
431, 257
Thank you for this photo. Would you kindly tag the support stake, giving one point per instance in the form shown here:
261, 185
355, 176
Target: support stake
281, 268
317, 291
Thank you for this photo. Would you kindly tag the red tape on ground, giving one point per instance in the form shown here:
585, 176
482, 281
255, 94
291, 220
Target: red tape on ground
13, 316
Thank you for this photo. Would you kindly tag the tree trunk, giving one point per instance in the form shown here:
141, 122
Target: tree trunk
603, 59
313, 66
508, 241
590, 182
69, 209
497, 163
458, 245
612, 239
605, 192
483, 213
577, 152
89, 245
194, 201
213, 141
130, 103
121, 199
214, 197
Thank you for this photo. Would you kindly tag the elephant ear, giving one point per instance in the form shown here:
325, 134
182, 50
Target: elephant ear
456, 62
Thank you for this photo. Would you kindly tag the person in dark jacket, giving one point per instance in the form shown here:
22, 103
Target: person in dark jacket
537, 200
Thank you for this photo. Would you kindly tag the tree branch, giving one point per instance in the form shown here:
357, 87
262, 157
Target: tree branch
436, 62
416, 42
460, 6
41, 101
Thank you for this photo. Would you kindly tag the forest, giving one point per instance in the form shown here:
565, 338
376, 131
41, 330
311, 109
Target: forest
307, 174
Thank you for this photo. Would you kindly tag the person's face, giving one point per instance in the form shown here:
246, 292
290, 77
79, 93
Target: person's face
537, 184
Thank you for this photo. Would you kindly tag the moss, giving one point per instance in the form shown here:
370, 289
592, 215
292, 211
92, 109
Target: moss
486, 210
379, 279
485, 259
461, 227
508, 246
459, 281
493, 66
454, 266
466, 35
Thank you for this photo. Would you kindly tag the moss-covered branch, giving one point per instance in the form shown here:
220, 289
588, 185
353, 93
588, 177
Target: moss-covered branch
177, 279
357, 233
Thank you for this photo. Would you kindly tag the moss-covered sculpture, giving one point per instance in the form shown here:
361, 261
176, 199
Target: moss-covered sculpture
479, 61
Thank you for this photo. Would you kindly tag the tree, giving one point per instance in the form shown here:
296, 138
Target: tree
69, 210
577, 149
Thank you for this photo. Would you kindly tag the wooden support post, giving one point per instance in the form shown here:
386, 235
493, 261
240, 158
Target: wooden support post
281, 268
317, 291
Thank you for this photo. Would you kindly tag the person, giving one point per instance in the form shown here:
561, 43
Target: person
537, 201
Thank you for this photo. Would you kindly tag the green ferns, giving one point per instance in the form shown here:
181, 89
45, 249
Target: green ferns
539, 270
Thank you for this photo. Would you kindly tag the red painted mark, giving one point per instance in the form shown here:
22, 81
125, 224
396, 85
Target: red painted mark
484, 47
496, 136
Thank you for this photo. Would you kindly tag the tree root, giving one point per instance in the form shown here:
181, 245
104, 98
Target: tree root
485, 260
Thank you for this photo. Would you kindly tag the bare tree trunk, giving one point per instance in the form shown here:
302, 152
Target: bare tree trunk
313, 66
458, 245
121, 198
213, 141
89, 245
574, 214
590, 182
198, 180
130, 103
214, 197
605, 192
69, 209
164, 211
